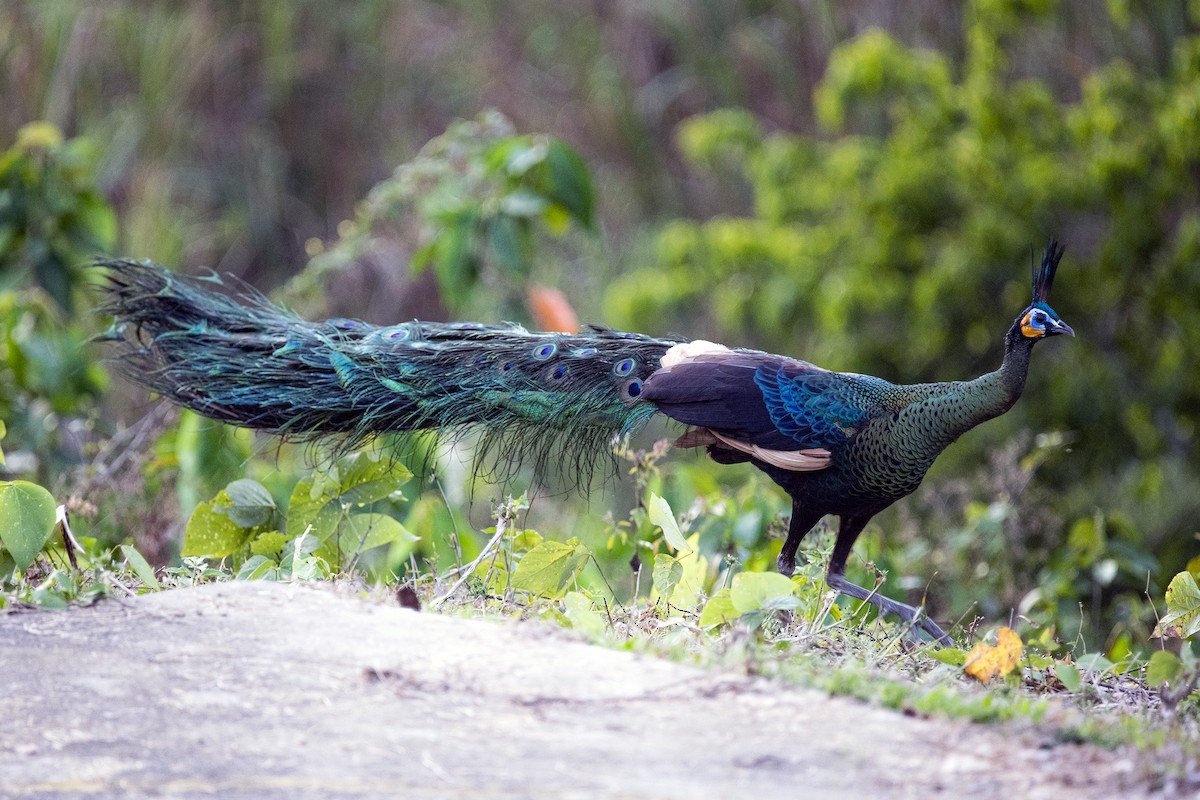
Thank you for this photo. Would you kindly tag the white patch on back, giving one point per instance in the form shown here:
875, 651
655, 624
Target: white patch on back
688, 351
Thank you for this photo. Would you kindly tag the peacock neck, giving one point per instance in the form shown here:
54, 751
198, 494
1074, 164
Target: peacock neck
990, 395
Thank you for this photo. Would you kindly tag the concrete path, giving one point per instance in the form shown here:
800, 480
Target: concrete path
260, 690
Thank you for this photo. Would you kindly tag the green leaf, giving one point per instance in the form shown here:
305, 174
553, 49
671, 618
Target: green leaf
252, 505
550, 567
373, 530
1093, 662
752, 591
581, 611
3, 430
300, 561
137, 562
661, 515
26, 520
667, 572
690, 586
1070, 676
268, 543
953, 656
570, 182
521, 154
1164, 667
1182, 619
323, 501
258, 568
454, 258
367, 476
509, 243
526, 540
211, 533
718, 610
313, 507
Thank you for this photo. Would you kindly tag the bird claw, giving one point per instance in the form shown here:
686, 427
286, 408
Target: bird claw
916, 617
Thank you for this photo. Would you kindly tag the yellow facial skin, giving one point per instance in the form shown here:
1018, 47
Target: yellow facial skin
1028, 330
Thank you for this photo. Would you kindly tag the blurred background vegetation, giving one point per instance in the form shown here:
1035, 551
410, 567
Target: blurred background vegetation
857, 184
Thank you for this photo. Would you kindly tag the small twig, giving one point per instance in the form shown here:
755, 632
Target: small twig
69, 542
504, 514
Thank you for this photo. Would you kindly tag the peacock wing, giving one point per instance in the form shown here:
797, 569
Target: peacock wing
786, 412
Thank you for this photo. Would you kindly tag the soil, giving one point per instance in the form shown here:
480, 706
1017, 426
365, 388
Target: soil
262, 690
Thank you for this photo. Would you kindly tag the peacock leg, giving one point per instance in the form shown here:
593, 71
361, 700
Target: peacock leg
803, 520
835, 577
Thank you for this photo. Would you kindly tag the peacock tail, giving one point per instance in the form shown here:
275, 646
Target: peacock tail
534, 398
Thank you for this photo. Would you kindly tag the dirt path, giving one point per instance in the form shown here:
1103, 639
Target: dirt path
257, 690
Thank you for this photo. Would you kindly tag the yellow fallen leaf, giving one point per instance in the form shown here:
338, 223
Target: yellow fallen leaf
986, 661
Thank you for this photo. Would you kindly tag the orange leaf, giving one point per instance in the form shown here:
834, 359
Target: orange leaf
986, 661
551, 311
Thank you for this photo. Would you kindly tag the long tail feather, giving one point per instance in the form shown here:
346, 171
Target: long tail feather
243, 360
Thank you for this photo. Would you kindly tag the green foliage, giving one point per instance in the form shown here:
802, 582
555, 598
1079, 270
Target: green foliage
1182, 620
476, 192
26, 521
51, 216
329, 523
550, 567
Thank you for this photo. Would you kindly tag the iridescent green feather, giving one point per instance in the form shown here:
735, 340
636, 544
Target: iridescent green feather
533, 397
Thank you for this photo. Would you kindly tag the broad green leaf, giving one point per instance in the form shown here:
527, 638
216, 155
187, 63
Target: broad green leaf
268, 543
550, 567
570, 182
751, 591
373, 530
1182, 619
367, 476
953, 656
251, 503
667, 572
1164, 667
695, 575
582, 613
661, 515
1193, 564
526, 540
301, 559
509, 244
312, 504
258, 568
1093, 662
1037, 660
454, 260
522, 153
211, 533
718, 610
26, 520
137, 562
1070, 677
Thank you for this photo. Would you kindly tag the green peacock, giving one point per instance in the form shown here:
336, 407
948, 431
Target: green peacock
838, 443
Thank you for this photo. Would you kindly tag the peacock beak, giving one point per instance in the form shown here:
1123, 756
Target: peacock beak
1060, 327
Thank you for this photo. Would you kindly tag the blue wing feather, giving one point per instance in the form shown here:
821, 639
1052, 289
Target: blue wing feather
774, 402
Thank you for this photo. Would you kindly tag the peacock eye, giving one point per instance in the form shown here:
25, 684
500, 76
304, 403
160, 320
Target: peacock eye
1039, 318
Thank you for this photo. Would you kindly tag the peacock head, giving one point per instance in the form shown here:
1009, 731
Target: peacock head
1039, 320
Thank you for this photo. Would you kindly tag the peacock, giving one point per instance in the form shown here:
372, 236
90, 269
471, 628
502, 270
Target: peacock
838, 443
